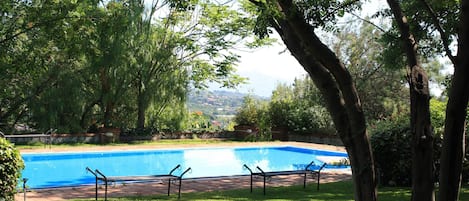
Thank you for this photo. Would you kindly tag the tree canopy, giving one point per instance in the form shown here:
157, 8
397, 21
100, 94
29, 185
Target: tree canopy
80, 64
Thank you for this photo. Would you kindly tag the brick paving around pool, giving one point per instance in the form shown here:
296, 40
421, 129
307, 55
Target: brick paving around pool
188, 185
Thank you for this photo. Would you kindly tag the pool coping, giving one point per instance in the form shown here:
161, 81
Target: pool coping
212, 183
178, 146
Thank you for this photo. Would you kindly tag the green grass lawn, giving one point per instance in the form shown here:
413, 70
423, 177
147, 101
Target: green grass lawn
338, 191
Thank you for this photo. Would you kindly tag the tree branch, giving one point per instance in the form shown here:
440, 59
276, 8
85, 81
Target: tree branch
410, 45
443, 35
370, 22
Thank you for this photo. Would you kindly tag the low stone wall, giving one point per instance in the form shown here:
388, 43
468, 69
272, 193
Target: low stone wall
104, 138
283, 134
178, 135
59, 139
109, 137
319, 139
76, 138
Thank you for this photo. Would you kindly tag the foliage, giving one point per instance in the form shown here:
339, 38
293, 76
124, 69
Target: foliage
75, 65
249, 112
313, 119
11, 165
391, 144
199, 121
148, 131
299, 108
280, 105
355, 44
264, 123
423, 27
254, 112
437, 114
320, 13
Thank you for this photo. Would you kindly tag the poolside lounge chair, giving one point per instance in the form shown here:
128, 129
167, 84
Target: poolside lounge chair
99, 176
307, 170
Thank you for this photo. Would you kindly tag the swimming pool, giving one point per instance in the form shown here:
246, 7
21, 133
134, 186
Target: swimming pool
68, 169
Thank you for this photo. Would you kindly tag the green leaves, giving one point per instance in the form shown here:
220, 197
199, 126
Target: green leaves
424, 25
69, 64
11, 165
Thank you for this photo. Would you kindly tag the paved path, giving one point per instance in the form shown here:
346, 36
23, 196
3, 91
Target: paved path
188, 185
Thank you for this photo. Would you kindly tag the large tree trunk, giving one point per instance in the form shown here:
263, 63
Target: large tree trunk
141, 108
422, 135
336, 85
107, 103
454, 137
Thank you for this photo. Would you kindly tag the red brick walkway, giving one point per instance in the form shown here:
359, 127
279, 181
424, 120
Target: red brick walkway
188, 185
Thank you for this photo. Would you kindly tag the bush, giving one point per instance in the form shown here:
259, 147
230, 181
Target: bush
255, 113
391, 144
11, 165
278, 112
248, 113
305, 119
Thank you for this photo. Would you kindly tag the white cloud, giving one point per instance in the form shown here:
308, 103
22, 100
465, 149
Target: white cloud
273, 61
265, 68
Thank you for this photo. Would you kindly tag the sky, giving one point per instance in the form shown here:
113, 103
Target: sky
268, 66
265, 68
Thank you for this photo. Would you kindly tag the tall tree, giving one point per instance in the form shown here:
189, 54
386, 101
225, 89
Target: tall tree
422, 134
39, 50
191, 44
355, 43
296, 22
76, 63
454, 138
434, 26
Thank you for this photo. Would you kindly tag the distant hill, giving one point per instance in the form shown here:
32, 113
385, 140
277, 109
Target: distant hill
216, 103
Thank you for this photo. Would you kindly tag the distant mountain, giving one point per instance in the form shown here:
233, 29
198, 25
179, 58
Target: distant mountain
216, 103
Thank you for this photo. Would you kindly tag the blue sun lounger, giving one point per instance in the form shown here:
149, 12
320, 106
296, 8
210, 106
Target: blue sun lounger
99, 176
307, 170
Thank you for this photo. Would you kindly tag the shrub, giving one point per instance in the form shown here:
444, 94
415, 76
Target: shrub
255, 113
278, 112
300, 108
310, 119
247, 114
11, 165
391, 144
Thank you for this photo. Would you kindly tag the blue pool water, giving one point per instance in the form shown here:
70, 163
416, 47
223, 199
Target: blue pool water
68, 169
